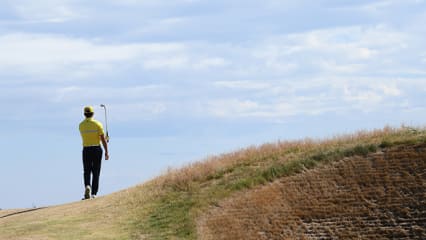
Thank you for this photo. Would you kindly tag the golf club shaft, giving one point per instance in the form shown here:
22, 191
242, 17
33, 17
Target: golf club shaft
106, 122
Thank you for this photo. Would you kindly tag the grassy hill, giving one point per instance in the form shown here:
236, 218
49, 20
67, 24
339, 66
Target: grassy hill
330, 188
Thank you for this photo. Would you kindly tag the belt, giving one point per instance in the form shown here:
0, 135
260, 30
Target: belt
92, 146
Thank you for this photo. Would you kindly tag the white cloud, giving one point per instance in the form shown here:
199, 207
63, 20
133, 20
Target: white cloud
275, 108
45, 10
354, 50
390, 90
207, 63
375, 8
372, 96
159, 26
229, 108
339, 68
167, 62
365, 53
56, 54
151, 3
365, 98
182, 61
137, 111
251, 85
139, 93
279, 99
48, 53
127, 103
333, 61
378, 6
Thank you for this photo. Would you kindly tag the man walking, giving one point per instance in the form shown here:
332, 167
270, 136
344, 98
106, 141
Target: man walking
92, 134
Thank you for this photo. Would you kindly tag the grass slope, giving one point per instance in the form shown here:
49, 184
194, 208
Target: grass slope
168, 206
102, 218
381, 196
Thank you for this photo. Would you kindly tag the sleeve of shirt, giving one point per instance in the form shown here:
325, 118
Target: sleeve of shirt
80, 129
100, 129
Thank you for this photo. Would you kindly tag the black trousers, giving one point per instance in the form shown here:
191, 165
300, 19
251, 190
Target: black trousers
92, 159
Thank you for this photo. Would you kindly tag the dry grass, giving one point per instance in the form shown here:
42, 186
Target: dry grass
168, 206
103, 218
282, 151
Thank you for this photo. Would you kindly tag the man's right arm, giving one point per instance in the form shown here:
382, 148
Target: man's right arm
105, 145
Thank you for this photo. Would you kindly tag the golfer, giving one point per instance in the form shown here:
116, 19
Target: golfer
92, 134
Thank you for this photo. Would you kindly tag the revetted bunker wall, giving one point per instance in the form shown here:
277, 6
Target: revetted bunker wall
381, 196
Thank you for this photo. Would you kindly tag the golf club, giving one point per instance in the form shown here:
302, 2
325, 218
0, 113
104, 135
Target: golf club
106, 122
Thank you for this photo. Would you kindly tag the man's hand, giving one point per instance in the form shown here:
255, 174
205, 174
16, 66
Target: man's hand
106, 156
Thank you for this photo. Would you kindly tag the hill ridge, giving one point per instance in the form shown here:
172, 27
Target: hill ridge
170, 206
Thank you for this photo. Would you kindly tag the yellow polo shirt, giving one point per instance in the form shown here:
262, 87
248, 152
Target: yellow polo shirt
90, 131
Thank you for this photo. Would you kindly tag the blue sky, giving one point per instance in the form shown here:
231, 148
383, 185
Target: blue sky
187, 79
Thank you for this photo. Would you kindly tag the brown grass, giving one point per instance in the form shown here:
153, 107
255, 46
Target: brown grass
281, 151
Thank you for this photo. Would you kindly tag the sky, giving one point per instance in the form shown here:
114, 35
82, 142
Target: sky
184, 80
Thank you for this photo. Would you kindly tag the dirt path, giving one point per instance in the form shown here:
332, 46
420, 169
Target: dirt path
17, 212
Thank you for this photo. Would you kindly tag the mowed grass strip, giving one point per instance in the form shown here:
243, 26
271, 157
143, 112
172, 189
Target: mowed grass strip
103, 218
